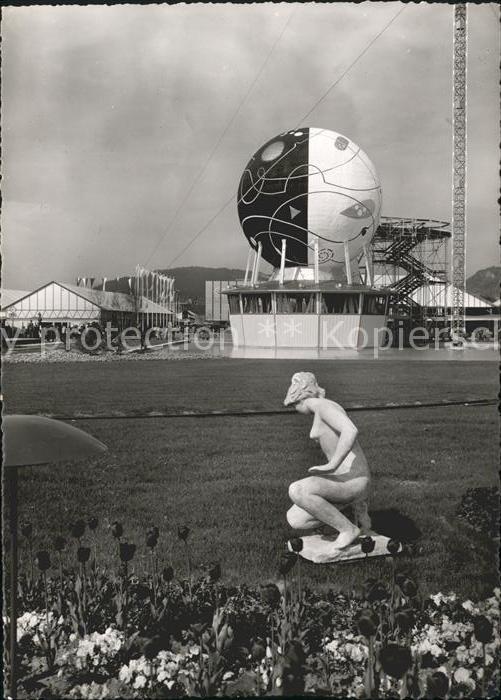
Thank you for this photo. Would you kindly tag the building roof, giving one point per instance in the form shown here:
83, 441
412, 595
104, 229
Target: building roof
115, 301
107, 301
10, 296
440, 294
299, 286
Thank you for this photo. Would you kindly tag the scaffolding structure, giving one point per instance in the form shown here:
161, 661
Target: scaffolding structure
458, 258
409, 256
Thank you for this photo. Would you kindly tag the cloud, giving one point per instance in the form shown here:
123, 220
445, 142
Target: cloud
110, 113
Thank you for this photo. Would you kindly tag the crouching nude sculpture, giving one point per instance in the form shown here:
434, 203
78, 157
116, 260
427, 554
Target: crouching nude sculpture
344, 480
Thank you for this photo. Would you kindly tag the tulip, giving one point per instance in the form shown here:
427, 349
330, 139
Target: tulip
270, 594
92, 523
483, 629
396, 660
43, 560
286, 563
368, 622
83, 554
409, 588
117, 530
152, 537
404, 619
367, 544
437, 685
27, 530
296, 544
152, 647
77, 529
400, 578
127, 551
376, 592
168, 574
258, 651
393, 546
294, 653
59, 543
214, 572
183, 532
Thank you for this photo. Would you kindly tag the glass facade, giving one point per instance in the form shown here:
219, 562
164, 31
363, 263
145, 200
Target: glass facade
256, 303
374, 304
234, 303
306, 303
296, 303
340, 304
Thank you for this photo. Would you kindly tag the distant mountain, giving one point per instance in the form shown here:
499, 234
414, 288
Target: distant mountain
485, 283
190, 281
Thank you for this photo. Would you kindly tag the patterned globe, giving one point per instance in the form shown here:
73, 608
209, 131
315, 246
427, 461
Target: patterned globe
309, 185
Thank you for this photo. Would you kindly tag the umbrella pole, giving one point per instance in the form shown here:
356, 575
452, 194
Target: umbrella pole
11, 474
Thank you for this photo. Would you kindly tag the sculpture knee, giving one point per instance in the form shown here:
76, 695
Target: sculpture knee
294, 518
296, 492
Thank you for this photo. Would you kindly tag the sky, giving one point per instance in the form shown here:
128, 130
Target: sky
125, 129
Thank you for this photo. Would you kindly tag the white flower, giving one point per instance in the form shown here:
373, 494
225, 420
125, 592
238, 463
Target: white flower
228, 675
462, 675
435, 650
140, 682
269, 654
468, 606
125, 674
356, 653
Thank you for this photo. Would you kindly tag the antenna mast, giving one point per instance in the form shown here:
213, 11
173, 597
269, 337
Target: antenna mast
458, 260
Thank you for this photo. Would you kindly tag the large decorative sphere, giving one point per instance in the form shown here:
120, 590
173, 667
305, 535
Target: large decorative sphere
306, 185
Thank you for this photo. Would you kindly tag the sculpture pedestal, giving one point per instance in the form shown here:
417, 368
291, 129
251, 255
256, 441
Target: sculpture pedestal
320, 549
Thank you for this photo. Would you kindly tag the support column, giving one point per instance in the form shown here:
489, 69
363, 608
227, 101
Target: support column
347, 263
247, 266
368, 270
282, 261
315, 253
257, 259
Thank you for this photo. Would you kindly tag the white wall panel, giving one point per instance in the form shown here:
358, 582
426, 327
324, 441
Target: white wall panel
259, 330
297, 330
369, 324
339, 331
237, 330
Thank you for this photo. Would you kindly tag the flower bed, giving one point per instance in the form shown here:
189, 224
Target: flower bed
91, 634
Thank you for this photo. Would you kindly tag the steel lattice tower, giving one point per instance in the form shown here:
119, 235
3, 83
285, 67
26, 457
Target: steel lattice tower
458, 260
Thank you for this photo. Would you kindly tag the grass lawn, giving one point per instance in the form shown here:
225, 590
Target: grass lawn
139, 387
227, 477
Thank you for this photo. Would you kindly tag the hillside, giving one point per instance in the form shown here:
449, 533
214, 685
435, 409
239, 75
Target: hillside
485, 283
190, 281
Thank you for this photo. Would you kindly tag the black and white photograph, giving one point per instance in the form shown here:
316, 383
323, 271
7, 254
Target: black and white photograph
250, 317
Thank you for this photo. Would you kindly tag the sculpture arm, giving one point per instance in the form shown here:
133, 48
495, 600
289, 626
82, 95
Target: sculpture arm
336, 418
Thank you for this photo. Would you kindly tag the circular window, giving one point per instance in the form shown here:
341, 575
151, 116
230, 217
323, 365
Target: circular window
272, 151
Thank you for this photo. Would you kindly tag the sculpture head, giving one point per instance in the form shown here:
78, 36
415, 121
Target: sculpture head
303, 386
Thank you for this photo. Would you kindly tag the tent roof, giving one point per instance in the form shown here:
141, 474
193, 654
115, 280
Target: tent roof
108, 301
10, 296
439, 294
114, 301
